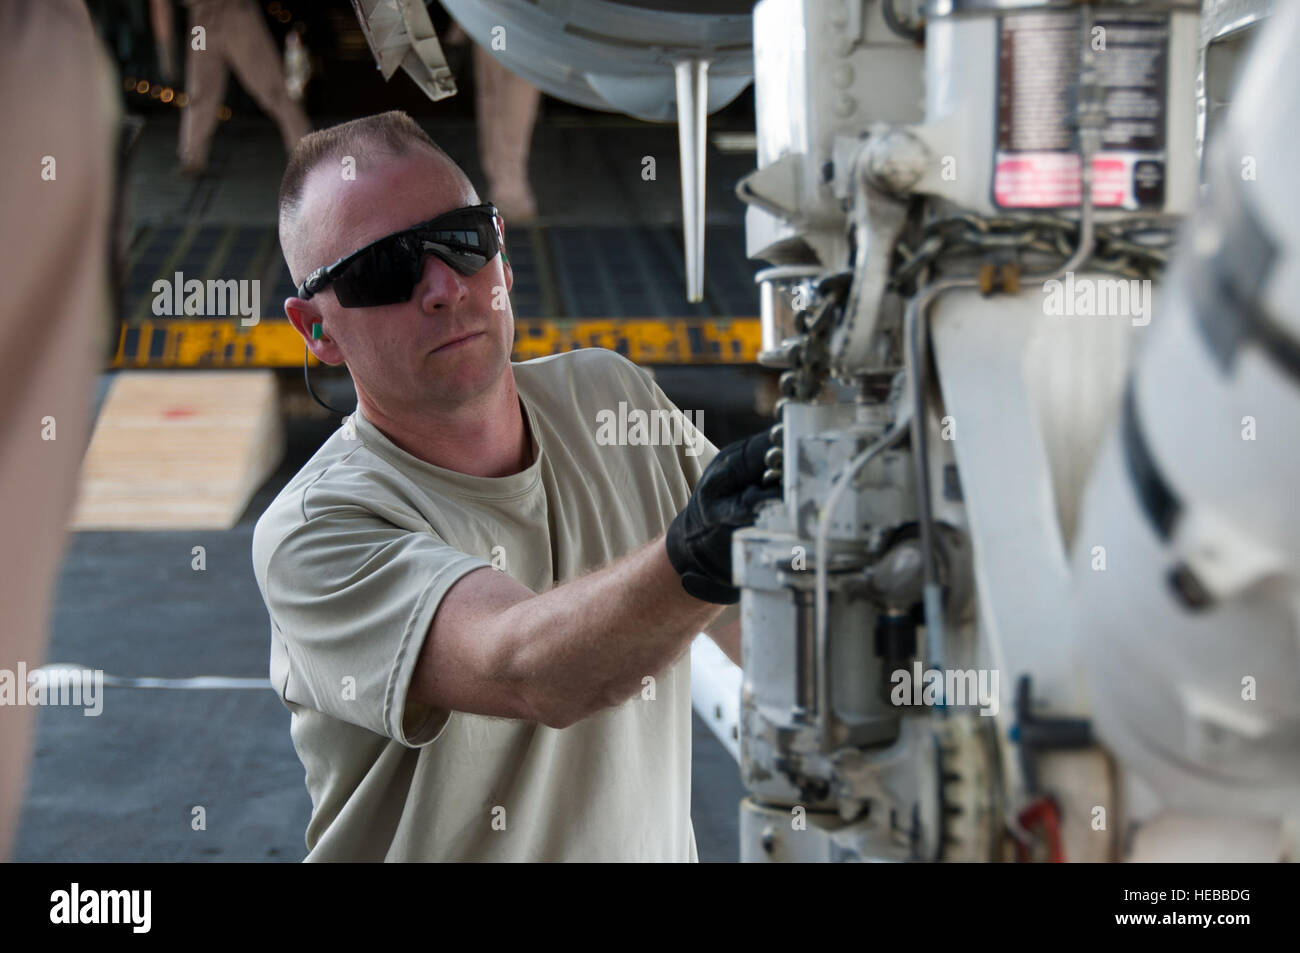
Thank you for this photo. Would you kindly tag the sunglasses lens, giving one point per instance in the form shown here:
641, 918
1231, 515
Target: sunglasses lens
465, 239
385, 274
388, 272
465, 261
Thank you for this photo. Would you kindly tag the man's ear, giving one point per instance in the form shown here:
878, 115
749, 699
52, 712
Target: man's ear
307, 321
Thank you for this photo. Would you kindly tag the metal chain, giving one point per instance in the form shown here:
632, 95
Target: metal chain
811, 360
1115, 251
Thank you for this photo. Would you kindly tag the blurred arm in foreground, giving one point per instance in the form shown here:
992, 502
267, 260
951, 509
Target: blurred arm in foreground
60, 115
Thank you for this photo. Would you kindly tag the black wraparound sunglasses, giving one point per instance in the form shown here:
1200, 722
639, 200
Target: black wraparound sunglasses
387, 270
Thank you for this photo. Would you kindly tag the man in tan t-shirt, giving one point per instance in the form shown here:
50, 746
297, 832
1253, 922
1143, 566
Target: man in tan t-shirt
477, 620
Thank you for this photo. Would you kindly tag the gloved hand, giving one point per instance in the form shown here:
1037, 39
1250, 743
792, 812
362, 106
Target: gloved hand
725, 500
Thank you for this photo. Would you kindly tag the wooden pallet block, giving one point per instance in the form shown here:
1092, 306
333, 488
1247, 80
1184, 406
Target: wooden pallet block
179, 450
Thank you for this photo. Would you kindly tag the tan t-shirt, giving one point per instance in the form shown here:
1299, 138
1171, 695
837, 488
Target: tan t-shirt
353, 558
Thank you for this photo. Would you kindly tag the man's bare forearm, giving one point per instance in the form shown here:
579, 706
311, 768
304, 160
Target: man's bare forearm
725, 632
588, 644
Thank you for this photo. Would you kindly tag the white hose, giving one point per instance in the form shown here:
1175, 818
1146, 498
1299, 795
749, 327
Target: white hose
821, 593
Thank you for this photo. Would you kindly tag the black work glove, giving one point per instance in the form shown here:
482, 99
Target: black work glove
725, 500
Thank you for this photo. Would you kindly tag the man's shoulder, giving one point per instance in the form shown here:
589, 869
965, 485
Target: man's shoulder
341, 474
586, 371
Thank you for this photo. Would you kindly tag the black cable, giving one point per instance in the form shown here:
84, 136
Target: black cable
307, 377
908, 32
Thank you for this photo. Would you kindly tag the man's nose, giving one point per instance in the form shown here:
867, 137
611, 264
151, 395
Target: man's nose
440, 285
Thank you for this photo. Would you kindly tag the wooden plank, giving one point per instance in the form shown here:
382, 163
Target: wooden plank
179, 450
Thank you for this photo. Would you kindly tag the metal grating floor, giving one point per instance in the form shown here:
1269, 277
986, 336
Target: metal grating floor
560, 271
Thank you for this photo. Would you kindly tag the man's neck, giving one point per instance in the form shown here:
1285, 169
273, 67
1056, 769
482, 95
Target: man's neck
486, 438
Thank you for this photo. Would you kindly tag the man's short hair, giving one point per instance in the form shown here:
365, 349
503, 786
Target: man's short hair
384, 135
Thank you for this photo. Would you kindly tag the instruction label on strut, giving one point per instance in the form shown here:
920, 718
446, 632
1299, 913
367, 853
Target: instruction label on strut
1036, 164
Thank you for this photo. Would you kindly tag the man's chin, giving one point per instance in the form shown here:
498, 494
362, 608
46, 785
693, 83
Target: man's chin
468, 377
